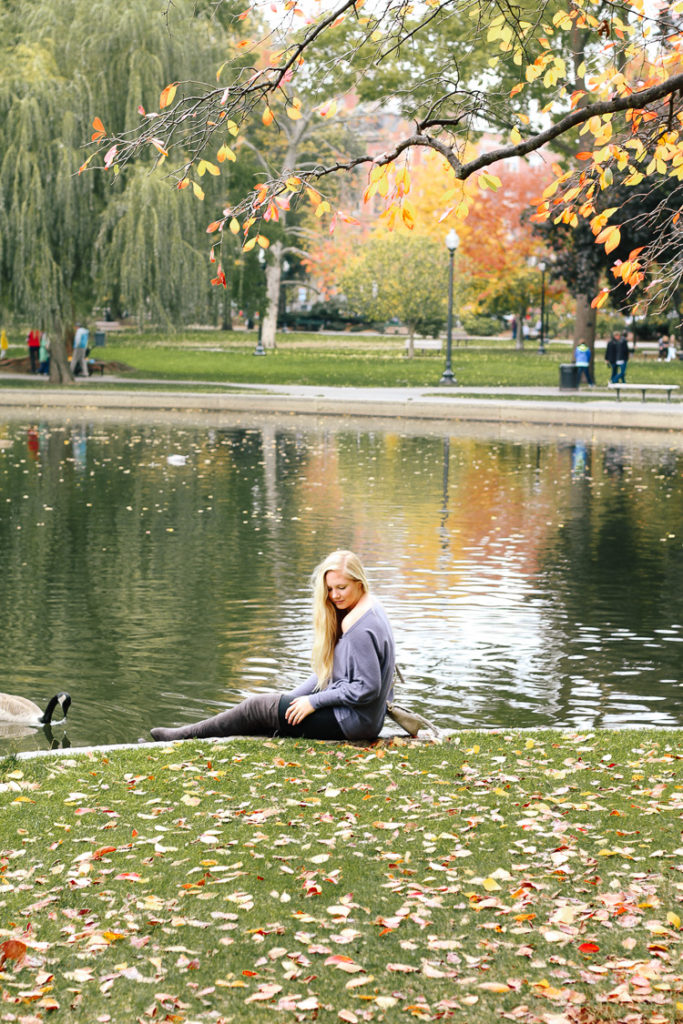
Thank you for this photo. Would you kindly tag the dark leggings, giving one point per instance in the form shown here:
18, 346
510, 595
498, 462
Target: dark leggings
262, 714
321, 725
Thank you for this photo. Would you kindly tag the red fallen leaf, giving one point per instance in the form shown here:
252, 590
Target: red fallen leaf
12, 949
103, 851
250, 974
589, 947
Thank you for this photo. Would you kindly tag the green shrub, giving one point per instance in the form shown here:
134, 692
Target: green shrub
480, 325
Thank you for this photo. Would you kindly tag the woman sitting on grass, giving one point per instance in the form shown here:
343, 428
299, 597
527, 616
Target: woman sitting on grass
353, 661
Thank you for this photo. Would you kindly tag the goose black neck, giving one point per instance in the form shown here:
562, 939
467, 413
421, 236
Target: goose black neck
46, 717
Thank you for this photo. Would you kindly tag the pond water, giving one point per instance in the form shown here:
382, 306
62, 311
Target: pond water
159, 571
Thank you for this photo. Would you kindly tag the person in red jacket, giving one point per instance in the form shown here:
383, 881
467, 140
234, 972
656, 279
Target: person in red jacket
33, 342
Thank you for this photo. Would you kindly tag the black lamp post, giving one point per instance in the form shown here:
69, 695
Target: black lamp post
541, 339
452, 241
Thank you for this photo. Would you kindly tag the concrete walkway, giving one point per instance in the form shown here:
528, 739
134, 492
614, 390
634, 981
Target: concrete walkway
540, 406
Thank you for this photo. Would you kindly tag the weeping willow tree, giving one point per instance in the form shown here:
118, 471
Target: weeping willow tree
70, 241
146, 254
44, 227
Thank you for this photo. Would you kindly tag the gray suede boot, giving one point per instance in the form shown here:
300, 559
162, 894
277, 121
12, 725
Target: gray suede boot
255, 716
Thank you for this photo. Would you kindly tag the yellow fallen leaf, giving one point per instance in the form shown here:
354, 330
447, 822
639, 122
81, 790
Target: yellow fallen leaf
564, 915
48, 1003
490, 884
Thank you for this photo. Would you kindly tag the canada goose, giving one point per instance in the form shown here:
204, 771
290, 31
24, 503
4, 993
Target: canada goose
22, 711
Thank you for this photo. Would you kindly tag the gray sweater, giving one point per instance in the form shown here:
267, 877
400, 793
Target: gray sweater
362, 676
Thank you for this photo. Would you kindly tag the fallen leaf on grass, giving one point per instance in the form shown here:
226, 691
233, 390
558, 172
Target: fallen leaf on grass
264, 992
343, 963
12, 949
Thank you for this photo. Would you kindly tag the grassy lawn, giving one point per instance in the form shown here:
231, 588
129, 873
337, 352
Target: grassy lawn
495, 876
351, 360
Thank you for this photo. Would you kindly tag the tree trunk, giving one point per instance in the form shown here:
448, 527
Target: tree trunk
584, 326
226, 320
60, 367
273, 275
521, 320
410, 352
584, 321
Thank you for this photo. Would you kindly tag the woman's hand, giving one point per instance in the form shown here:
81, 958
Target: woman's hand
299, 709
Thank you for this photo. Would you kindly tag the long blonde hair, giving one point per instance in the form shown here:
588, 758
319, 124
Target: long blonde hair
326, 626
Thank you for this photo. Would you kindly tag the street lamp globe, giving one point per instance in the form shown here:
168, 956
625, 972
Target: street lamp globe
452, 240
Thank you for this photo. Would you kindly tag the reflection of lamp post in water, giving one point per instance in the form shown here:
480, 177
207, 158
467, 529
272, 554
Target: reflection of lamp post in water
260, 350
452, 241
443, 529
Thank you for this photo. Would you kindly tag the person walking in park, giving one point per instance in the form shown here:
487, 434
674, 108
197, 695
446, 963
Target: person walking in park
44, 353
4, 344
582, 358
78, 359
33, 342
611, 356
621, 353
353, 662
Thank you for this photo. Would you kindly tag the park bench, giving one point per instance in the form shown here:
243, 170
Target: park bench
618, 387
424, 344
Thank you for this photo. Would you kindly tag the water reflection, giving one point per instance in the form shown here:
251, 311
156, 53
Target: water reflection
159, 572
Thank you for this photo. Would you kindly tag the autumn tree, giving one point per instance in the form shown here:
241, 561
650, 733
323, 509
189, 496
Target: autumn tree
533, 73
402, 276
286, 231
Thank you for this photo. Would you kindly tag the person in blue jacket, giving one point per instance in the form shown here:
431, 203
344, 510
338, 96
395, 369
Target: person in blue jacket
582, 359
353, 669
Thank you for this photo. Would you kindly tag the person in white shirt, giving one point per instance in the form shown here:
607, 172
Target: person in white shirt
79, 362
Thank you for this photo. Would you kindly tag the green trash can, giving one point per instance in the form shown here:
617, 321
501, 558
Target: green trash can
100, 339
569, 377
